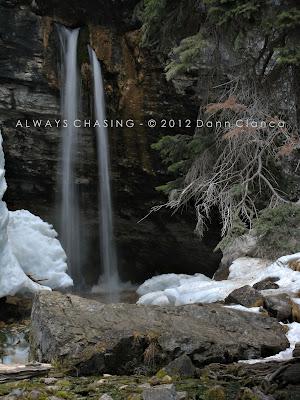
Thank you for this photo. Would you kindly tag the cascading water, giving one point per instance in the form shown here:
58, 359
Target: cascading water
70, 219
109, 281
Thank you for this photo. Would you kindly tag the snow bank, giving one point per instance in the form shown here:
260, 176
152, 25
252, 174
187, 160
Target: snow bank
255, 310
39, 253
28, 246
187, 289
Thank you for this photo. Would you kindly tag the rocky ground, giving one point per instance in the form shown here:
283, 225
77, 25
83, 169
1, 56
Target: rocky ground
216, 382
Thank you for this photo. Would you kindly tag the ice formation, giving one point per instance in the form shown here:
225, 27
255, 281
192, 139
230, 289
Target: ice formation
31, 258
186, 289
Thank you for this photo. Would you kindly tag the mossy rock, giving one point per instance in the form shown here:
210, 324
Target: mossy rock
215, 393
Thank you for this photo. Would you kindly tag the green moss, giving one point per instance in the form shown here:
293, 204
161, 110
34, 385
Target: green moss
154, 11
161, 374
247, 394
63, 394
215, 393
238, 229
278, 230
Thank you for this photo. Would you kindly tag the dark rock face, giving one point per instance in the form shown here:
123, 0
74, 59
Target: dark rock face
79, 12
135, 88
123, 338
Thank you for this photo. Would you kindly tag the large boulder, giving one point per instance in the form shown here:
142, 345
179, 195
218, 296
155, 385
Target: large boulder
92, 338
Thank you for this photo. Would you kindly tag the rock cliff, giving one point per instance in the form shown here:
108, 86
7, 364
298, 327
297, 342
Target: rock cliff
136, 88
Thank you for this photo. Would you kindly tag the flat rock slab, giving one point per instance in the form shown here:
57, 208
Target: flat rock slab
91, 338
15, 372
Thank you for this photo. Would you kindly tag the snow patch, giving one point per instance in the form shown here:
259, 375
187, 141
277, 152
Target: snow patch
255, 310
188, 289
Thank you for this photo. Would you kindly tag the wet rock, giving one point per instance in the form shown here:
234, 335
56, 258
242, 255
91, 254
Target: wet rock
245, 296
181, 366
279, 307
161, 392
268, 283
94, 338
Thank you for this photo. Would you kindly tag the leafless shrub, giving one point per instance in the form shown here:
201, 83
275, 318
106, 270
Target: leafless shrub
238, 170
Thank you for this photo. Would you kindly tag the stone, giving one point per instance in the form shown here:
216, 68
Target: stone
242, 246
181, 396
279, 306
154, 380
260, 395
52, 388
50, 381
94, 338
290, 375
216, 393
34, 395
17, 393
105, 396
144, 386
245, 296
182, 366
123, 387
268, 283
296, 352
222, 273
161, 392
295, 311
54, 398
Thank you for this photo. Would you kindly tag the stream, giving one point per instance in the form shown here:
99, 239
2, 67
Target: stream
14, 345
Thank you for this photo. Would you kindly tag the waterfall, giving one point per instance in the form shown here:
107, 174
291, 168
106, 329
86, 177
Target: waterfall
109, 279
70, 219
